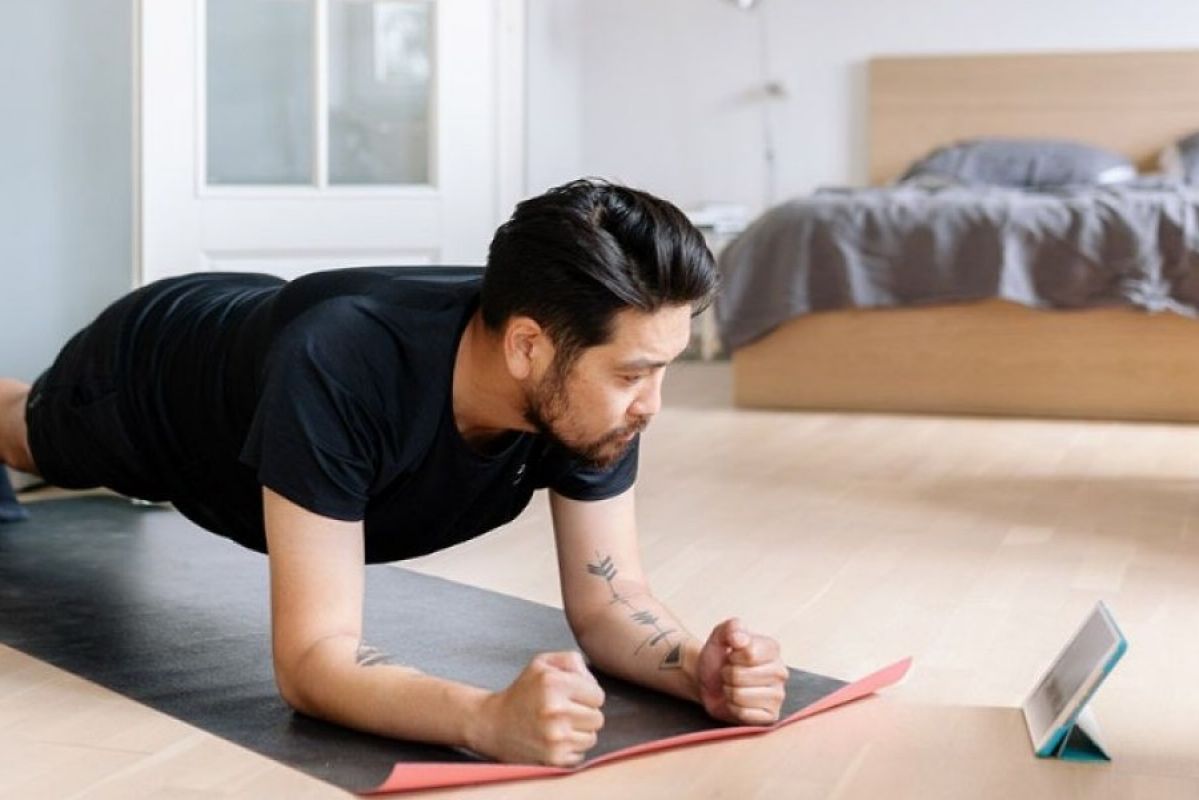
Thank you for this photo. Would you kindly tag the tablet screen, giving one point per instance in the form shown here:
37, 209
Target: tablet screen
1086, 655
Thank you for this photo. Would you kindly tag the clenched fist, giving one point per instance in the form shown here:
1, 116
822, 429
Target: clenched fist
549, 715
741, 676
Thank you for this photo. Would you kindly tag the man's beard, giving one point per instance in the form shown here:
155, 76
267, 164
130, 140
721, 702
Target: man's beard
547, 405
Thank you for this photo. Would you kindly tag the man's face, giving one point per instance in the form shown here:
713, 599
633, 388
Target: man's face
611, 391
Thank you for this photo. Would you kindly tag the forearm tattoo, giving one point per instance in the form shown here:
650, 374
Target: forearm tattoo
370, 657
604, 569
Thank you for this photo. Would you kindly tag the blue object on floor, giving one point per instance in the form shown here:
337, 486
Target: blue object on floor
10, 509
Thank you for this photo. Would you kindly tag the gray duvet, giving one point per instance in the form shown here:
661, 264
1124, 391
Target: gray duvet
1130, 245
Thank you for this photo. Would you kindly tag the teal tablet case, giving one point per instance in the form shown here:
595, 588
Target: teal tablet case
1078, 741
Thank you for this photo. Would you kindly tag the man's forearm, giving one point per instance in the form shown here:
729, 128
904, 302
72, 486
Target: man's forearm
637, 638
341, 681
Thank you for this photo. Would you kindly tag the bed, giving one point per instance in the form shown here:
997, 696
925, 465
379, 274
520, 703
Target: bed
1117, 341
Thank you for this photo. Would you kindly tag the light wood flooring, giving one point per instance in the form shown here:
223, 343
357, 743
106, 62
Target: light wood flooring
974, 545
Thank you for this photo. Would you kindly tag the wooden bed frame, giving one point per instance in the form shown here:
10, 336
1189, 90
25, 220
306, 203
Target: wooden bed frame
995, 357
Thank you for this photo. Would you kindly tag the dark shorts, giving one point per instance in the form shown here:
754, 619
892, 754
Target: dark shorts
78, 434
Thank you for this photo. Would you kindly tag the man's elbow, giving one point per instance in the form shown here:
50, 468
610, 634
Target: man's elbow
291, 688
296, 679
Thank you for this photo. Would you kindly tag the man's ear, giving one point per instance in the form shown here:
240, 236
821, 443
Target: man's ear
527, 347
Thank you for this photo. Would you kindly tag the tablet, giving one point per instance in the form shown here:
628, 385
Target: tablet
1065, 688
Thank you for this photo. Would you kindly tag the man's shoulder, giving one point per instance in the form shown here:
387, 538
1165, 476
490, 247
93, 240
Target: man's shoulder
403, 288
387, 342
361, 301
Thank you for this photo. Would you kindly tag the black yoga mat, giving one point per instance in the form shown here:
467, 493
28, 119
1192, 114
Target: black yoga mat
143, 602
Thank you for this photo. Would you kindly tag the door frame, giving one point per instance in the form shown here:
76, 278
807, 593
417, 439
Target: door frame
508, 75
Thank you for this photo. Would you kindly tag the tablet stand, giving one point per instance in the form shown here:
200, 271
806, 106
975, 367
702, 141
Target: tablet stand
1080, 740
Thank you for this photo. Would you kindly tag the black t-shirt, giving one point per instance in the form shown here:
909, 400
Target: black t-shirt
333, 390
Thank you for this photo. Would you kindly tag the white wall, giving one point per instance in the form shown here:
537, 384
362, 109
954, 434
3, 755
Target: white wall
664, 89
65, 187
554, 86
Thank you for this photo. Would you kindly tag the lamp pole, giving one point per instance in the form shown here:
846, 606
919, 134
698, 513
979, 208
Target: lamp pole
768, 91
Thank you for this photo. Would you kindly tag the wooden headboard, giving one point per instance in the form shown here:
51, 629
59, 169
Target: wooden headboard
1132, 102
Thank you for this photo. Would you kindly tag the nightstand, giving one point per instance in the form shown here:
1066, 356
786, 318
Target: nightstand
720, 223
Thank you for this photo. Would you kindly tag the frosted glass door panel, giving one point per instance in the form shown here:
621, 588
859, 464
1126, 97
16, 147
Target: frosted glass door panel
260, 91
286, 136
380, 74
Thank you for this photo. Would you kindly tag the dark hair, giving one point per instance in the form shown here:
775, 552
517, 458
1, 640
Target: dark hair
575, 256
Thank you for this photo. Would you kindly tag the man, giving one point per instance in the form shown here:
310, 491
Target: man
363, 415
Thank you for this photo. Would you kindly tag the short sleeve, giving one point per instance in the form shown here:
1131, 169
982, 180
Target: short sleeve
314, 439
581, 482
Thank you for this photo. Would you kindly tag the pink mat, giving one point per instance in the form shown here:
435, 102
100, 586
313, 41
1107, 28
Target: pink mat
410, 777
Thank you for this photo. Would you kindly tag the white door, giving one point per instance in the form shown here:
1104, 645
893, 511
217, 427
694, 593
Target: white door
285, 136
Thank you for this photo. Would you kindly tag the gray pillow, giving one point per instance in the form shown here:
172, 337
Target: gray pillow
1026, 163
1181, 159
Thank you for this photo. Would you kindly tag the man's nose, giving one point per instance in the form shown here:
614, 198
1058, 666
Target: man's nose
649, 401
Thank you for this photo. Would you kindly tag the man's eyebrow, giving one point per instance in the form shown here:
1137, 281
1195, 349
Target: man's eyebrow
642, 363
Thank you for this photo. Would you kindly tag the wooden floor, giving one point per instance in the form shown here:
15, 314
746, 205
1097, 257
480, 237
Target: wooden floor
974, 545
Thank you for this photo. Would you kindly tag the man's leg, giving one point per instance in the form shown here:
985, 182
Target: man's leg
14, 445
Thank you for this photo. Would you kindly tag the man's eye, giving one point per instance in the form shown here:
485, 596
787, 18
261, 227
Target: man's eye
632, 379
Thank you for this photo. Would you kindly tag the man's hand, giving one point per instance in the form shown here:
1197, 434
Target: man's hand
549, 715
741, 676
